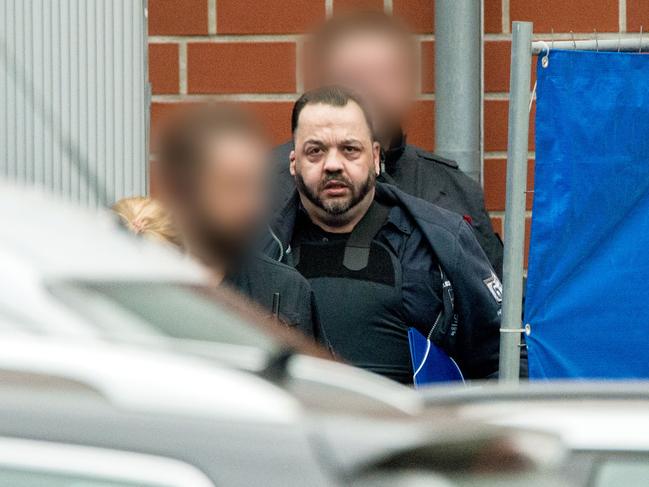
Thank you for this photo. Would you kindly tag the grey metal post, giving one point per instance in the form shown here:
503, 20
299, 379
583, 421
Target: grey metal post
458, 86
519, 96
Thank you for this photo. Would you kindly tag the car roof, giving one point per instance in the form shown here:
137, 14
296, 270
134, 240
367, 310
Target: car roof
42, 234
143, 379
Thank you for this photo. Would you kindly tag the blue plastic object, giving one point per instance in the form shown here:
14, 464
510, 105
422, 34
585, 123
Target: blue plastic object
430, 363
588, 276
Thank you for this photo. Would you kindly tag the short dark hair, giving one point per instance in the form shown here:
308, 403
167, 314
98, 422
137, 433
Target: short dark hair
334, 96
184, 137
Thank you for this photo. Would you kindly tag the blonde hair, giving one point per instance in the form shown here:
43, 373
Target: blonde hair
146, 216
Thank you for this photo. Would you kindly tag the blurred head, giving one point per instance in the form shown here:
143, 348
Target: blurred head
213, 168
374, 54
147, 217
336, 157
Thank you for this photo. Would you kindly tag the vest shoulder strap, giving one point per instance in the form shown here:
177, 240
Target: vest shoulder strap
357, 250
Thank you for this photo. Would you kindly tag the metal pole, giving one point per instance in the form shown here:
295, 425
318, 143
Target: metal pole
519, 96
458, 94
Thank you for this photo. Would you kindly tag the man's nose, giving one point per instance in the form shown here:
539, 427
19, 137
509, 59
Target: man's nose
333, 162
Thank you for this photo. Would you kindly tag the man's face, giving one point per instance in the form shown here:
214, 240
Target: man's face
380, 69
335, 161
230, 196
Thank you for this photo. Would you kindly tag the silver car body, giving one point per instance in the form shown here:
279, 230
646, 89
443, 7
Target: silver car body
47, 242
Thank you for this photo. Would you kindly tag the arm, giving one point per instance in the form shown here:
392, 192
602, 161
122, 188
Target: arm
478, 297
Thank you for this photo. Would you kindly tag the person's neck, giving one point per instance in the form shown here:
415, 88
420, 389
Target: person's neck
344, 223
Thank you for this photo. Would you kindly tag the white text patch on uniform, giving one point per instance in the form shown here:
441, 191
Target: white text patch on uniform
495, 287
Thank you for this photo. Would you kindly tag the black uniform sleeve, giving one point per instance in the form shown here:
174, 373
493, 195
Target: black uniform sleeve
478, 297
472, 195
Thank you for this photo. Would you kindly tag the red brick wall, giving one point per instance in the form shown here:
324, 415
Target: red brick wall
248, 51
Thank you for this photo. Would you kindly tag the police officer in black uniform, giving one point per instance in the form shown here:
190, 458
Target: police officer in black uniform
379, 260
212, 176
373, 54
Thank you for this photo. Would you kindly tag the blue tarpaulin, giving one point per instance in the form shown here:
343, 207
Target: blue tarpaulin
587, 297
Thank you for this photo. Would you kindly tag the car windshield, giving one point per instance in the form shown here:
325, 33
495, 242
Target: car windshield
189, 312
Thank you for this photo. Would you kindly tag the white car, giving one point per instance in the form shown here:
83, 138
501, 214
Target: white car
82, 412
72, 271
604, 425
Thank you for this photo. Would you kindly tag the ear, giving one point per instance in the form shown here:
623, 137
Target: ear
376, 155
291, 160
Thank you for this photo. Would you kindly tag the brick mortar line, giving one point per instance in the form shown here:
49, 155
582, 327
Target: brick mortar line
268, 38
329, 8
261, 96
493, 155
211, 17
622, 16
182, 68
243, 97
489, 96
497, 95
224, 38
299, 78
227, 38
420, 70
489, 37
388, 6
282, 96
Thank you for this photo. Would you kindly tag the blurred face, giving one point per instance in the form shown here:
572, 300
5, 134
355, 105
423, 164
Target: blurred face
230, 195
379, 68
335, 162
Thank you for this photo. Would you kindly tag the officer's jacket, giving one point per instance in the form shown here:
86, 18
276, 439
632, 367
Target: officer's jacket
472, 294
260, 278
424, 175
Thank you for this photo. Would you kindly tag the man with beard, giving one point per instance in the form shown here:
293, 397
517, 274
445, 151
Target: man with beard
379, 260
374, 55
212, 172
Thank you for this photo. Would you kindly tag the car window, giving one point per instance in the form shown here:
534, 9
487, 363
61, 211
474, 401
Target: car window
165, 309
623, 472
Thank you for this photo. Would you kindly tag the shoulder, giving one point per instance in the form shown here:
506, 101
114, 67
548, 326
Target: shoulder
428, 162
418, 154
280, 153
278, 271
414, 213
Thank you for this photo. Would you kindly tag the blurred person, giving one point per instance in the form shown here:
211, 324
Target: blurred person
213, 163
379, 260
147, 217
374, 55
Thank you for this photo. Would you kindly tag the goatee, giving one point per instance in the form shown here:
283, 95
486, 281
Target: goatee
336, 208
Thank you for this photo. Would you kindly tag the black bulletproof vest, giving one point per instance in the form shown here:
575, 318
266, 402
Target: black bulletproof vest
357, 285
